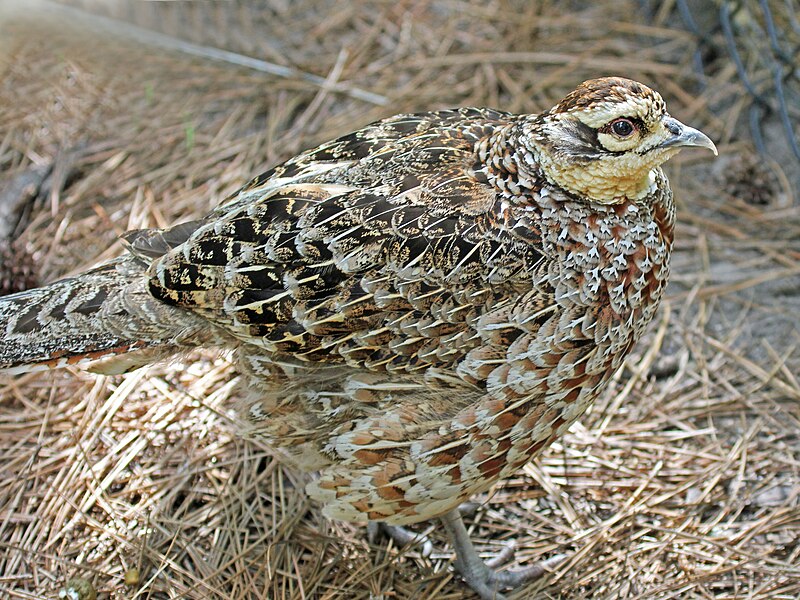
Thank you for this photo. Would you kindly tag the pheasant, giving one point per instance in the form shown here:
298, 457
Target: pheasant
416, 309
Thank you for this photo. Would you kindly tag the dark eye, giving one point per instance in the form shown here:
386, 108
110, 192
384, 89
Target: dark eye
622, 127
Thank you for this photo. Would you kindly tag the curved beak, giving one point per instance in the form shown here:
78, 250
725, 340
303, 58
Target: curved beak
683, 135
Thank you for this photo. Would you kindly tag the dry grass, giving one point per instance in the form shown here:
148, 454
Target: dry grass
682, 482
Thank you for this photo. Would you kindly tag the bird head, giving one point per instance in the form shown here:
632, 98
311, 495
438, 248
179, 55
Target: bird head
603, 140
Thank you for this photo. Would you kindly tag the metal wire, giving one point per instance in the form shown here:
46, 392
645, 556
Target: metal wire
762, 39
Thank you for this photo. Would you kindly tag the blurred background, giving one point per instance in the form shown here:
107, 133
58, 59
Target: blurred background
682, 482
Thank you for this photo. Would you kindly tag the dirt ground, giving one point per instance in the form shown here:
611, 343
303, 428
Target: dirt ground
683, 481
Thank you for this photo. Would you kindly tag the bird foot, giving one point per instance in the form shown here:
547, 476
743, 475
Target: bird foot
400, 536
487, 582
482, 576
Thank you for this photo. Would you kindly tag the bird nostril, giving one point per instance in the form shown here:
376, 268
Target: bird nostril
673, 126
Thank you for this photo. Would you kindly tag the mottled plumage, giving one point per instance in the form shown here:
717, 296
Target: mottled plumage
418, 308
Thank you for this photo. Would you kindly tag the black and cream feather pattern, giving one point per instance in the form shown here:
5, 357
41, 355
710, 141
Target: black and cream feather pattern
367, 251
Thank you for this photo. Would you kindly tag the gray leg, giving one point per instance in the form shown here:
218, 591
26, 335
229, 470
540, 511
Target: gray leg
481, 576
400, 535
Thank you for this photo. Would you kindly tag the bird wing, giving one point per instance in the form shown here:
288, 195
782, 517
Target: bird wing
375, 249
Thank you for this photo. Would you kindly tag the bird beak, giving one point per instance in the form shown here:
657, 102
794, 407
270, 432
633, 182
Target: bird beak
683, 135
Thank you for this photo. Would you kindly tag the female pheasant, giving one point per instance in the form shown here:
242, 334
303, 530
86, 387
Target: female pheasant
417, 308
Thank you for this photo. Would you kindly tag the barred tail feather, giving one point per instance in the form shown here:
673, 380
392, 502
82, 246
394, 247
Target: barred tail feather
103, 312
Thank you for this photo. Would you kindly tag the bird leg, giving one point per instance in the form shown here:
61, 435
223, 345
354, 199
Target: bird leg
404, 537
481, 576
400, 536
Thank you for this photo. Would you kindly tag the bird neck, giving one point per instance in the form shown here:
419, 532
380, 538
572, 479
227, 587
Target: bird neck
600, 181
595, 246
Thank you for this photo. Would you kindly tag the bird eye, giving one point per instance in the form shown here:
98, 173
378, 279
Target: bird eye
622, 127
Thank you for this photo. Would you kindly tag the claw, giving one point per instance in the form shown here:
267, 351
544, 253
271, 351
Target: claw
481, 576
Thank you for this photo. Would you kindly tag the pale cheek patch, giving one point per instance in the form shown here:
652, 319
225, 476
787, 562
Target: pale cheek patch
659, 136
614, 144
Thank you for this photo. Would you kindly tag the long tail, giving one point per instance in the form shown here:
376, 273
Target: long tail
100, 313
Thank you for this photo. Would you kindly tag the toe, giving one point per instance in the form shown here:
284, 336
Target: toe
505, 556
401, 537
518, 577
